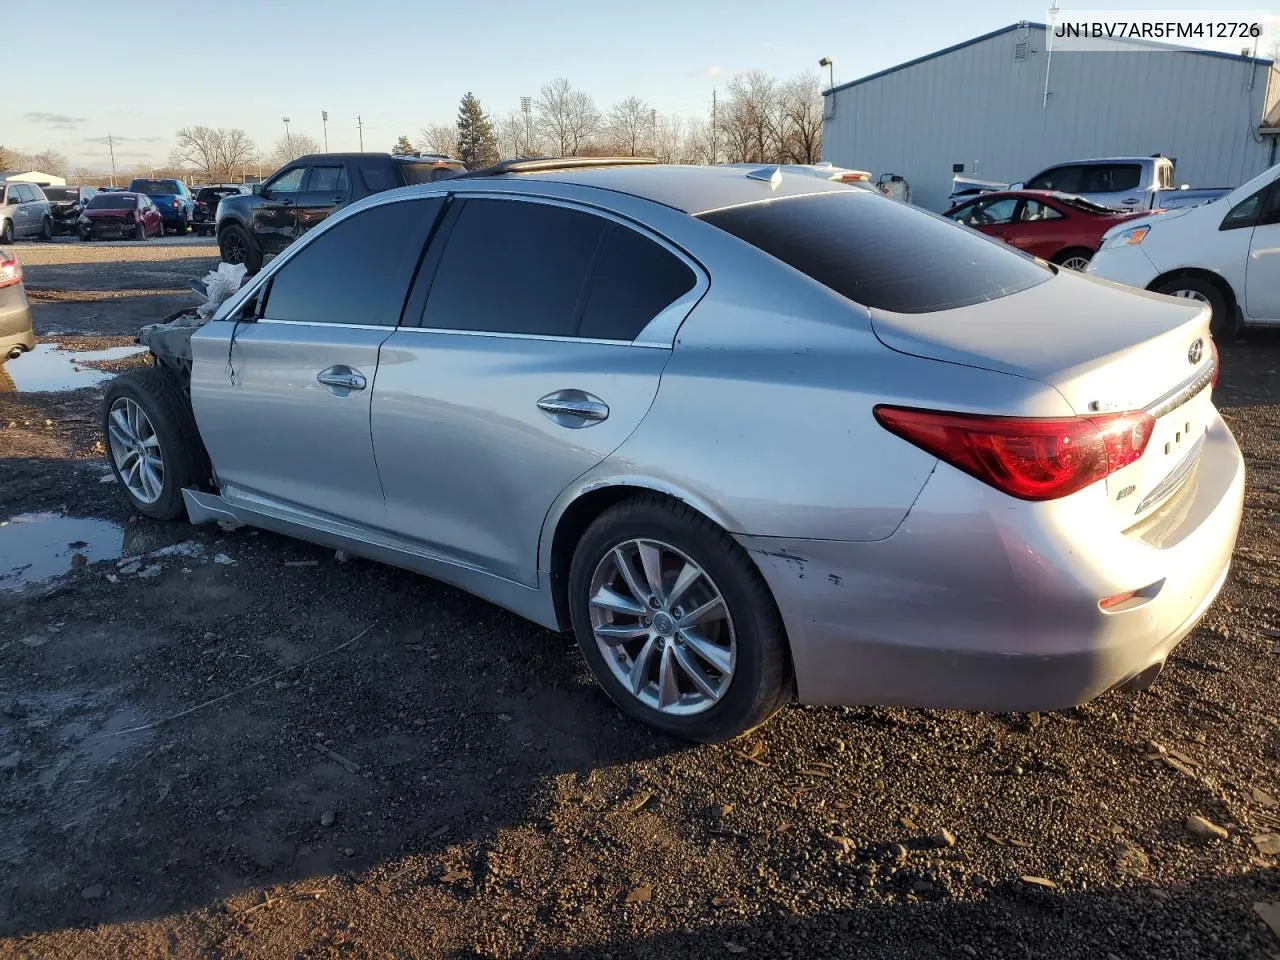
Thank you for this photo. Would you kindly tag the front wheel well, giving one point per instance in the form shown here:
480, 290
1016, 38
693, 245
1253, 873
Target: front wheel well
1194, 273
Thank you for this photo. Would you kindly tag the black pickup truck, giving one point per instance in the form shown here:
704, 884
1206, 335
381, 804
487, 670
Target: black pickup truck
305, 191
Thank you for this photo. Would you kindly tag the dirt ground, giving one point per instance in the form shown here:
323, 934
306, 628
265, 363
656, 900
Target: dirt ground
241, 746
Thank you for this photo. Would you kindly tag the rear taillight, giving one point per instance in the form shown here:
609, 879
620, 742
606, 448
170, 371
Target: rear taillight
1027, 458
10, 272
175, 204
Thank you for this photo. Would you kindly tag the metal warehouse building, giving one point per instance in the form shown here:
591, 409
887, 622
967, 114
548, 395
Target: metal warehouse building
999, 107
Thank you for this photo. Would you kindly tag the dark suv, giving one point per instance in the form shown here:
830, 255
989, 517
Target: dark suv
302, 193
204, 216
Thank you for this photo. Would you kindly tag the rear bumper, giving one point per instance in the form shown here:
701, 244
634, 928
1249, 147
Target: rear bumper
15, 327
980, 602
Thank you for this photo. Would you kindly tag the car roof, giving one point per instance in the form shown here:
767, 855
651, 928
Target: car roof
684, 187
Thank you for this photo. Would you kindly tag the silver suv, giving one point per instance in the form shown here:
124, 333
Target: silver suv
24, 212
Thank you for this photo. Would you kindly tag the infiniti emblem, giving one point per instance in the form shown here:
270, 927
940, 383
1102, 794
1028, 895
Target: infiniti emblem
1195, 352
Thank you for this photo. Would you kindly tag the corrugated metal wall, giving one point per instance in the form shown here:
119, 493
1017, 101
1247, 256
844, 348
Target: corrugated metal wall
980, 107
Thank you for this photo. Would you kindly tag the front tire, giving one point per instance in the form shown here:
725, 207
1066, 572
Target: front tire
152, 442
140, 232
6, 231
46, 229
237, 245
1222, 322
1076, 258
676, 623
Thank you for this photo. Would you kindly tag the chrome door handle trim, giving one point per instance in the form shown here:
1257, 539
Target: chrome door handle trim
334, 377
583, 408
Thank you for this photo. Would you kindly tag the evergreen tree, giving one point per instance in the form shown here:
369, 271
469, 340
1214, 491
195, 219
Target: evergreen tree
402, 145
477, 145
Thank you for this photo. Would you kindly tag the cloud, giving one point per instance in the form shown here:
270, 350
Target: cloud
59, 121
711, 71
125, 139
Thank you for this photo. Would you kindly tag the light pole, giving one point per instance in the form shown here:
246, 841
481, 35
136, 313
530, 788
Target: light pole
831, 84
288, 147
526, 107
324, 119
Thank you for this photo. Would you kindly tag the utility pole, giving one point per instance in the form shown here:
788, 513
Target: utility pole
111, 145
653, 131
324, 119
360, 127
713, 128
288, 144
526, 107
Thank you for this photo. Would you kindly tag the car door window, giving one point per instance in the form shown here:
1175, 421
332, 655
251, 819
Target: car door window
1034, 210
988, 213
1245, 213
1271, 211
288, 182
513, 266
1111, 177
632, 281
328, 180
358, 271
1065, 179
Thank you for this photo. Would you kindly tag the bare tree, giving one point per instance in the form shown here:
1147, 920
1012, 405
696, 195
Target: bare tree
515, 137
292, 147
802, 110
668, 139
217, 153
4, 159
567, 117
696, 147
753, 119
46, 161
439, 138
627, 125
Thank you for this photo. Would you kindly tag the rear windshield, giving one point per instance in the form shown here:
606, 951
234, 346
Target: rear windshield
212, 193
425, 172
154, 188
113, 201
882, 253
58, 194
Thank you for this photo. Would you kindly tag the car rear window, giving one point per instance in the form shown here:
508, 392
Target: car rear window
424, 172
216, 193
155, 187
882, 253
113, 201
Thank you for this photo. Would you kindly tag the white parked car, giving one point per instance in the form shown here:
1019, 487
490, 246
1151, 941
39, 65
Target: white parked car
1225, 253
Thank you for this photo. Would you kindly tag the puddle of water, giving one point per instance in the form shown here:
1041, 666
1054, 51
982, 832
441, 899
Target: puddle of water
49, 368
36, 546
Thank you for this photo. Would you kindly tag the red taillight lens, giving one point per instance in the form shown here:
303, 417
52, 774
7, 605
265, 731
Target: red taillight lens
1027, 458
10, 272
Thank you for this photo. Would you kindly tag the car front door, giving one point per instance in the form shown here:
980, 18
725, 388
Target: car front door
1037, 228
991, 216
282, 397
275, 217
327, 187
1262, 273
521, 373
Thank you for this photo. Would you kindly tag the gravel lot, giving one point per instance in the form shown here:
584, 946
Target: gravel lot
243, 747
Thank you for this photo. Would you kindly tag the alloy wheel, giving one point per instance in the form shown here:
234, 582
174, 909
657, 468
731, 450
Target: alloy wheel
1195, 295
233, 248
663, 627
1076, 263
135, 450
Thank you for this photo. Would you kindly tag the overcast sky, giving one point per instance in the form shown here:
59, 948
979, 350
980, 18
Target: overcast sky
402, 65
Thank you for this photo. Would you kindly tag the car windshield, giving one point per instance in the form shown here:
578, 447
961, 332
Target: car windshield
1088, 206
216, 193
62, 193
112, 201
882, 253
155, 188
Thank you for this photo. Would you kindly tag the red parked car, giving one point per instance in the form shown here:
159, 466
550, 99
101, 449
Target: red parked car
1058, 227
120, 215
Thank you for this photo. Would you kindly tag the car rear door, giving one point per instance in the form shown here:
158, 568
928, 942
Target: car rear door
517, 370
282, 401
1117, 185
275, 216
327, 187
25, 223
1262, 272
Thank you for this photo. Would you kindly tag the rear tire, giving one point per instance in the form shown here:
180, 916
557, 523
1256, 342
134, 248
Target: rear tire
237, 245
140, 231
1223, 322
758, 680
181, 229
1075, 258
168, 435
84, 234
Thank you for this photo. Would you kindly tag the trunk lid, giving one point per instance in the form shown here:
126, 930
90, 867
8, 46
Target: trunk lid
1105, 348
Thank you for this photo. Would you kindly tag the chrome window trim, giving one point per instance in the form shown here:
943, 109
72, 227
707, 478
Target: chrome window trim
314, 323
554, 338
660, 331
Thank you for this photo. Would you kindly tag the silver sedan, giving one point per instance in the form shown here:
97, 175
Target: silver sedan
750, 435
